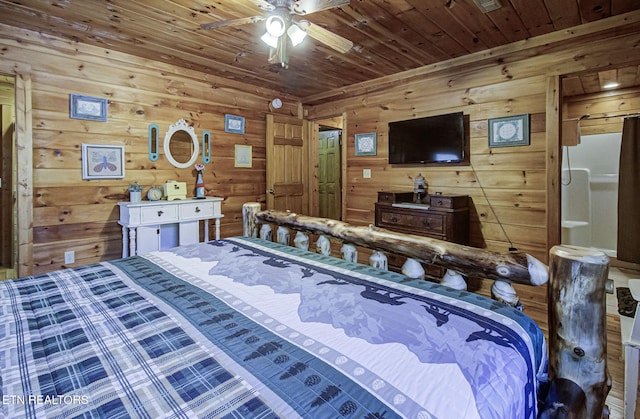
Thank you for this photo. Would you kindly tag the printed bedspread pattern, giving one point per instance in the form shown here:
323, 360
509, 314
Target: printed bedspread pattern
245, 328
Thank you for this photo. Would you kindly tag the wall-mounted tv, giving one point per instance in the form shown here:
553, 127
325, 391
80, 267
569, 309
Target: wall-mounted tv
432, 139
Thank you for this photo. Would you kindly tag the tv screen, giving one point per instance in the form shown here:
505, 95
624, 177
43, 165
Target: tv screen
433, 139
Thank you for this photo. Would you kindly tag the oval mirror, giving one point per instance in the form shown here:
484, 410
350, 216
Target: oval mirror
181, 145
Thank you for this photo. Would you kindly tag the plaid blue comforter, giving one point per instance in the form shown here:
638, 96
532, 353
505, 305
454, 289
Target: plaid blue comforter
242, 328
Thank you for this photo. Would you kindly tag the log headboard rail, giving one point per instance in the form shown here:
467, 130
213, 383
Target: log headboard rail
578, 280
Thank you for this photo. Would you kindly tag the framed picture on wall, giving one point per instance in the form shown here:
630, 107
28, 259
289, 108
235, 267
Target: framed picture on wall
102, 161
87, 107
509, 131
234, 124
366, 144
243, 156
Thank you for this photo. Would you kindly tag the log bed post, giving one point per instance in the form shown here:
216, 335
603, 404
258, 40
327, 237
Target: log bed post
249, 211
578, 371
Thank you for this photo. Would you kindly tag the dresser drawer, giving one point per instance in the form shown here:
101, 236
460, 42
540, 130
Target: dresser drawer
419, 223
196, 210
159, 214
448, 202
394, 197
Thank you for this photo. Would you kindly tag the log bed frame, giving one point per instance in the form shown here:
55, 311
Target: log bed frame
578, 377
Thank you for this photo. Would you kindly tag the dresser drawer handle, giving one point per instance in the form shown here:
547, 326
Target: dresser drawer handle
160, 213
197, 209
426, 222
394, 219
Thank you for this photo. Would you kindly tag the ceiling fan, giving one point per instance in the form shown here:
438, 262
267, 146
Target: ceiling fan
279, 22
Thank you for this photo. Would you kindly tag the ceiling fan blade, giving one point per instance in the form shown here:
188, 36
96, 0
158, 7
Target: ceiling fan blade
328, 38
305, 7
232, 22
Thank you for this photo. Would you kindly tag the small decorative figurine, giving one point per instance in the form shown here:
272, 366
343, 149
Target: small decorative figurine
199, 181
419, 189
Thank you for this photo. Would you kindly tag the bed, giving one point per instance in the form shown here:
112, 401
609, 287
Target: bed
243, 327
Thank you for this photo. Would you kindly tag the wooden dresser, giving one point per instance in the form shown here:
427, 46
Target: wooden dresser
445, 217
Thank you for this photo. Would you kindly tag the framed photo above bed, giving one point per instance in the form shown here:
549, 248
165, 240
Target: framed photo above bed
102, 161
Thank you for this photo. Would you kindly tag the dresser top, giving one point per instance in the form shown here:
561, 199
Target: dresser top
129, 204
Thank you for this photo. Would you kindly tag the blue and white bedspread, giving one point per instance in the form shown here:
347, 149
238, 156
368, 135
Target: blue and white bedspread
243, 328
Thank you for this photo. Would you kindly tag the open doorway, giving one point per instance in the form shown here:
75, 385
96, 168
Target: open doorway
7, 177
329, 134
593, 112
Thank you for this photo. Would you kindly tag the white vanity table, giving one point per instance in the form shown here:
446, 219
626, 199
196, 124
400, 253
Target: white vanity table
155, 225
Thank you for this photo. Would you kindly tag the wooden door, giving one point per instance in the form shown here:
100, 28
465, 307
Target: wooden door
7, 207
286, 164
329, 174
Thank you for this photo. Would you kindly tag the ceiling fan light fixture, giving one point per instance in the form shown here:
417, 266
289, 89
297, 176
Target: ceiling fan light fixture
272, 41
296, 34
275, 26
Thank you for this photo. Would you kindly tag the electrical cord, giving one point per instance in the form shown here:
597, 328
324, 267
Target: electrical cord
484, 193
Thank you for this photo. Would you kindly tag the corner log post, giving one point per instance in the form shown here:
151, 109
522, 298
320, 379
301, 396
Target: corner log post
516, 267
578, 371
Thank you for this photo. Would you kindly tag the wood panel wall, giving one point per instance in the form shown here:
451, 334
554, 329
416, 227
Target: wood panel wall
514, 190
606, 110
74, 214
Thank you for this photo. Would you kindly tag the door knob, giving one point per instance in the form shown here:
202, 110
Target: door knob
270, 191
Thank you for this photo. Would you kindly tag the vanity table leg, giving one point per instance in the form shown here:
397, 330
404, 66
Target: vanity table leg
132, 241
125, 240
217, 228
206, 230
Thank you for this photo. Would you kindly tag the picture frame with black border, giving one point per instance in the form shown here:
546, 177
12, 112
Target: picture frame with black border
100, 161
366, 144
87, 107
509, 131
234, 124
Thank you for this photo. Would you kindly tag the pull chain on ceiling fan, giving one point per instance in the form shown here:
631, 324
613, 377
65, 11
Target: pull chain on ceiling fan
279, 22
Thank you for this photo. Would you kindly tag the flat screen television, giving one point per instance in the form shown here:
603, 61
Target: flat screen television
432, 139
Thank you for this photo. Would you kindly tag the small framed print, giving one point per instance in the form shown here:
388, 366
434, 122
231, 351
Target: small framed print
243, 156
102, 161
366, 144
234, 124
87, 107
509, 131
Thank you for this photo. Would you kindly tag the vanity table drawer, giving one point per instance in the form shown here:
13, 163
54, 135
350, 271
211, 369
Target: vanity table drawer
193, 210
159, 214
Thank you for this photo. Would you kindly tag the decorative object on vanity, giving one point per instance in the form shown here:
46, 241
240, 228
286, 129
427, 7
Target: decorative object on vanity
420, 189
234, 124
158, 225
181, 146
243, 156
87, 107
206, 147
366, 144
154, 194
509, 131
175, 190
102, 161
153, 136
200, 193
135, 192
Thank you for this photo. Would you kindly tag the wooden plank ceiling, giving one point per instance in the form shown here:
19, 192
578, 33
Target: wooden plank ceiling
389, 36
